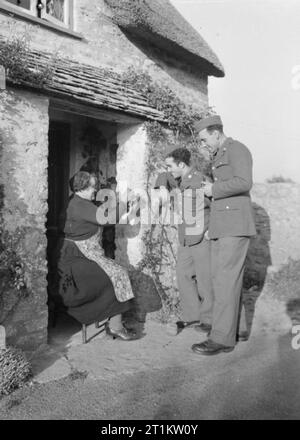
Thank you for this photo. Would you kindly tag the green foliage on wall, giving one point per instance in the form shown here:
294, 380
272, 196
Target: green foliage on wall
179, 117
12, 269
14, 57
11, 266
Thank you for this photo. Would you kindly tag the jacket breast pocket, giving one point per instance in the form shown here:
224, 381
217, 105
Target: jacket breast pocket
223, 171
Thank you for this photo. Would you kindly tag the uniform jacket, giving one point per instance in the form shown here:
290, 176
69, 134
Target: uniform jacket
231, 208
189, 234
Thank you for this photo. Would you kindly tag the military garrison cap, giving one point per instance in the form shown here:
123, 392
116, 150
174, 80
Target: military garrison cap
207, 122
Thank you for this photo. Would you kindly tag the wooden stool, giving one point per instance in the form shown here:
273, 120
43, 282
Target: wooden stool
55, 309
85, 326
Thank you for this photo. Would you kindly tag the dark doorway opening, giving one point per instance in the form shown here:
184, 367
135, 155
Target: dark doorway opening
75, 144
58, 196
58, 174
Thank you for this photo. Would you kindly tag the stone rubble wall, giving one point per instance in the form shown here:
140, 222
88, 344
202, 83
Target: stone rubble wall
277, 207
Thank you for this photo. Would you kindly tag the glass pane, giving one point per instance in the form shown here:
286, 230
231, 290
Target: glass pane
22, 3
55, 8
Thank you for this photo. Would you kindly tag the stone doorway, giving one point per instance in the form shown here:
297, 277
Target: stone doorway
115, 151
75, 143
24, 171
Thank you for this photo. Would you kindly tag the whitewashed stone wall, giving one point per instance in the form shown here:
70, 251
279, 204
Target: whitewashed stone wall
131, 172
23, 174
277, 209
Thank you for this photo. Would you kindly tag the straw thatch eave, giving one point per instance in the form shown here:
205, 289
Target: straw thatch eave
158, 22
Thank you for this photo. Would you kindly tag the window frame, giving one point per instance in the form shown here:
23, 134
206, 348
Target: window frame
31, 11
68, 12
42, 15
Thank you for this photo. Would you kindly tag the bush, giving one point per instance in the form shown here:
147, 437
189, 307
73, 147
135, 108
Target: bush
285, 283
14, 370
279, 179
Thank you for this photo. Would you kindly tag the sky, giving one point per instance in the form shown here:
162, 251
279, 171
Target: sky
258, 43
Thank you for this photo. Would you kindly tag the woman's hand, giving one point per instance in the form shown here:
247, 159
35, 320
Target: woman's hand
206, 236
134, 210
131, 215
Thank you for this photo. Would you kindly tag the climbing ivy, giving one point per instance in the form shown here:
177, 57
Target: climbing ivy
12, 269
14, 51
179, 117
177, 130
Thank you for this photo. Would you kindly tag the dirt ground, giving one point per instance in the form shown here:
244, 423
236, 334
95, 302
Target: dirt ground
158, 377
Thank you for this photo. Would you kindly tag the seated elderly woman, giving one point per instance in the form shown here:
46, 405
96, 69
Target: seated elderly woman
93, 287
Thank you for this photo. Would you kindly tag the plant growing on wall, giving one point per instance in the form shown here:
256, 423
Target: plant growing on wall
10, 263
12, 270
14, 58
177, 131
179, 117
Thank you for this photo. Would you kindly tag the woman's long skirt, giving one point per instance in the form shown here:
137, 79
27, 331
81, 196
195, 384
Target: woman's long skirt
85, 288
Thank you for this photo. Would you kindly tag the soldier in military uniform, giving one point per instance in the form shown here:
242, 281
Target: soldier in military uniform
193, 257
230, 227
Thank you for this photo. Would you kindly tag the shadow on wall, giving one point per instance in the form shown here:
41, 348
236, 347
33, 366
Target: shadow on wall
257, 262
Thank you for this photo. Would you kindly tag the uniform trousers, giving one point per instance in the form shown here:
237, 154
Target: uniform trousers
228, 255
194, 281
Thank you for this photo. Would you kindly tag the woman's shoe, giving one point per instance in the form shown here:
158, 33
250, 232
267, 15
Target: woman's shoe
123, 334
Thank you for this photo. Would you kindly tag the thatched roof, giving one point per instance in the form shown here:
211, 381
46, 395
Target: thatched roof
159, 22
88, 85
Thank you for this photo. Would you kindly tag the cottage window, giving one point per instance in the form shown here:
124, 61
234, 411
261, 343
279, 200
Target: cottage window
59, 12
25, 4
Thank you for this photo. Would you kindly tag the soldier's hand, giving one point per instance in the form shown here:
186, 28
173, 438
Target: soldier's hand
207, 187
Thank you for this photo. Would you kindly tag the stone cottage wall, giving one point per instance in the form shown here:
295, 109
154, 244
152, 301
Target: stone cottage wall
23, 171
24, 119
131, 173
104, 44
